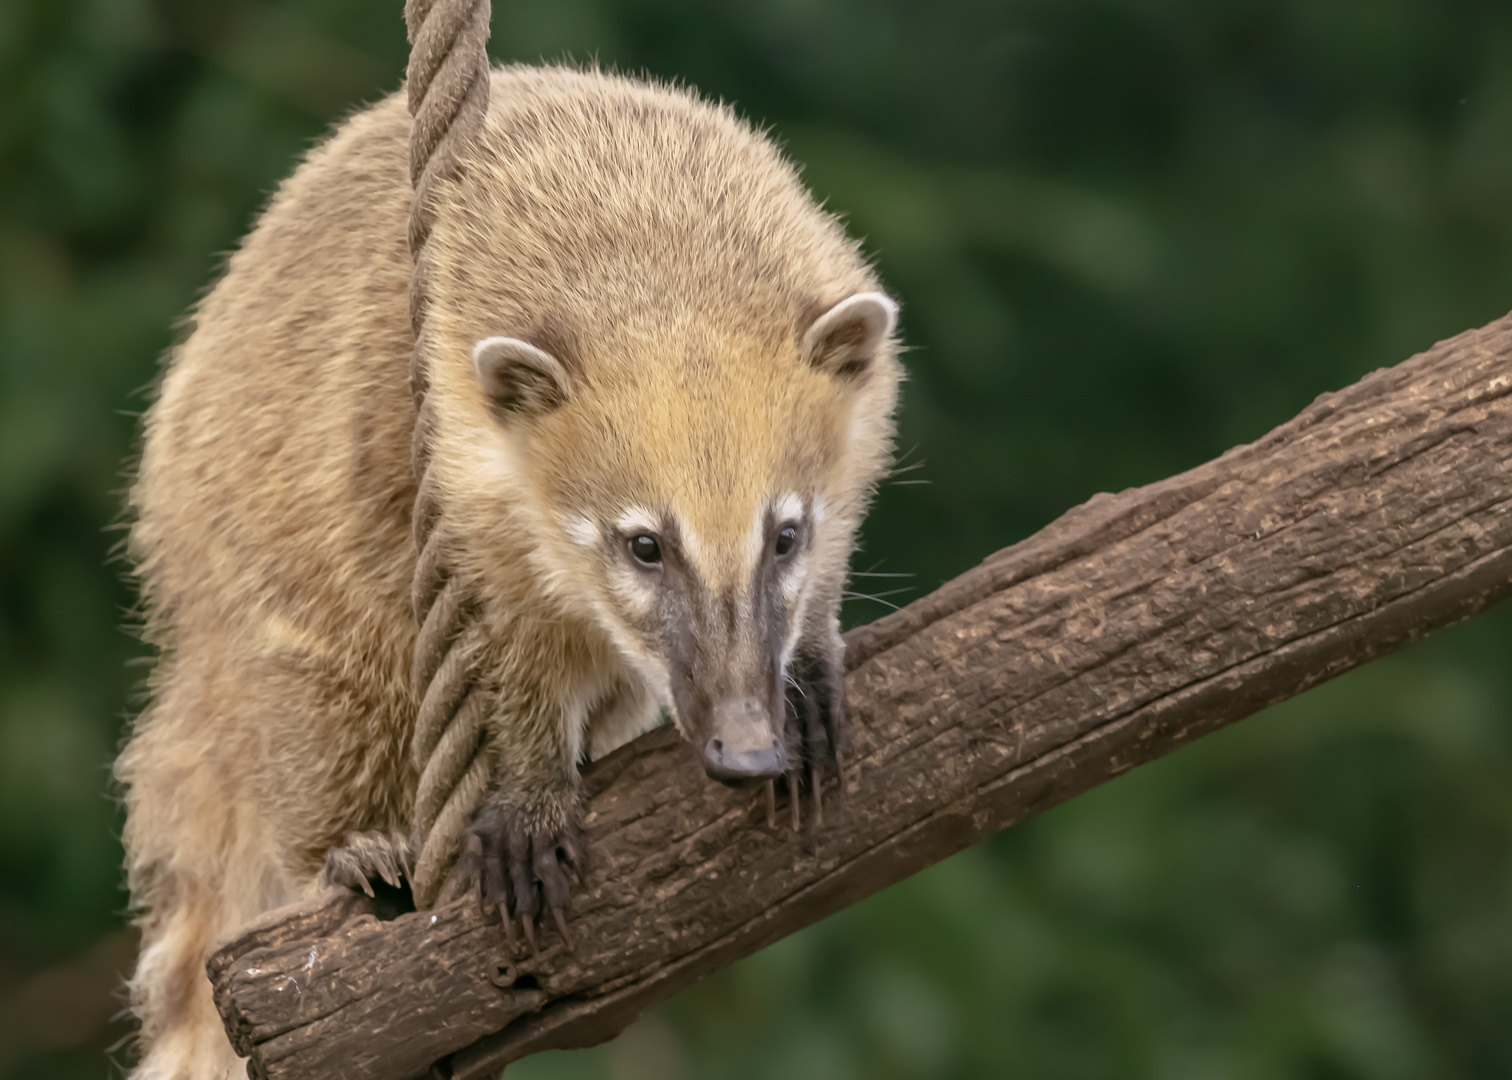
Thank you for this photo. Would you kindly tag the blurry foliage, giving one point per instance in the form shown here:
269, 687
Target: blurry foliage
1126, 235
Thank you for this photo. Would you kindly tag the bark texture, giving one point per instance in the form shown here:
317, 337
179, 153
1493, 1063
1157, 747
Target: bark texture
1131, 625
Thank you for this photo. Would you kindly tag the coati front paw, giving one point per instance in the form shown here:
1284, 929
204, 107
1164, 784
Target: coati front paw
363, 857
815, 713
516, 869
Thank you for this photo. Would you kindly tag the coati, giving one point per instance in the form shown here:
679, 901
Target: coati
664, 382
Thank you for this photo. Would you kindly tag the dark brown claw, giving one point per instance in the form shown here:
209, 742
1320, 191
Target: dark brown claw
570, 847
771, 803
530, 934
793, 800
470, 866
816, 778
510, 941
522, 886
561, 924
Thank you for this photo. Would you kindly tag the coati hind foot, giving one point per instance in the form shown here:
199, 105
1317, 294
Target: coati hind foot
517, 868
815, 713
365, 857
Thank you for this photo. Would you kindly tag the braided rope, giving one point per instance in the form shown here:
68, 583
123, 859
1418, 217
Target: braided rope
448, 99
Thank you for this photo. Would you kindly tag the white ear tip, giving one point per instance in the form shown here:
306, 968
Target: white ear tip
484, 347
879, 310
888, 305
491, 348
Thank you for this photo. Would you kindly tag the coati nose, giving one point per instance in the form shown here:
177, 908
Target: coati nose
740, 768
743, 750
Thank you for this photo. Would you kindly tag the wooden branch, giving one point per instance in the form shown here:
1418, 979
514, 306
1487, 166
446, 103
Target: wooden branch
1131, 625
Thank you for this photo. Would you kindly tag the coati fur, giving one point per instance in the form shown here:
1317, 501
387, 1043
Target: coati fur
664, 381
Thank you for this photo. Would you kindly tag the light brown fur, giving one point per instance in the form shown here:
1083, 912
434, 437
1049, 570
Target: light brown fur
669, 258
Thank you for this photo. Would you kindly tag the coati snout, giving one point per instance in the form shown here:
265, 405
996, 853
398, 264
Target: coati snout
719, 653
724, 653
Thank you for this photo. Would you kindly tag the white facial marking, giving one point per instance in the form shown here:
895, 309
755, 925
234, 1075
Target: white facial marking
581, 530
755, 540
651, 668
818, 509
796, 624
787, 508
694, 548
794, 580
633, 589
635, 520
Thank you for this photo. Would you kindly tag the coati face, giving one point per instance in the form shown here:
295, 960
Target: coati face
703, 498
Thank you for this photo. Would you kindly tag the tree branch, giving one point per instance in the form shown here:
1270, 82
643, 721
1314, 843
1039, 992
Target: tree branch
1129, 626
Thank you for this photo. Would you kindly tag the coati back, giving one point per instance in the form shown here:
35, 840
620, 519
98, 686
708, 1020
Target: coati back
663, 381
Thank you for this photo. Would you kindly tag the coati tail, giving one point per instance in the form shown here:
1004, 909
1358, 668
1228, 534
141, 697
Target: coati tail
181, 1036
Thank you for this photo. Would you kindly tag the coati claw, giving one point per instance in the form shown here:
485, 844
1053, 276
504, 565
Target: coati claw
771, 803
487, 875
560, 917
530, 934
470, 867
792, 778
510, 941
363, 856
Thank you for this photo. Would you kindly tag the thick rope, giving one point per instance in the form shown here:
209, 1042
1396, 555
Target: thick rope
448, 99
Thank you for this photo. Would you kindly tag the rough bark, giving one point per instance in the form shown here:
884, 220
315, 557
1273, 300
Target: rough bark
1129, 626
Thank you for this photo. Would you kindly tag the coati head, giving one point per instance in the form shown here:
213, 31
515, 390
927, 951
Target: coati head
700, 497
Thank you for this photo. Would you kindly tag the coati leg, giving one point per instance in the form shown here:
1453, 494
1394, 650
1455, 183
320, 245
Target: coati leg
524, 841
815, 713
507, 861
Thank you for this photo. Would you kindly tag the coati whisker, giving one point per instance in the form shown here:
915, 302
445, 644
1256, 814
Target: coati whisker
876, 598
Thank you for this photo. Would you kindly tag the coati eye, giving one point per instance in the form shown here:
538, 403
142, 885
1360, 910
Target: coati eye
787, 538
645, 549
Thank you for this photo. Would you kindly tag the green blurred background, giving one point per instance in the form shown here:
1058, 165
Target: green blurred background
1127, 234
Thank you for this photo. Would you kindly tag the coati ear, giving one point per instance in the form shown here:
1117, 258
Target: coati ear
844, 340
519, 379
